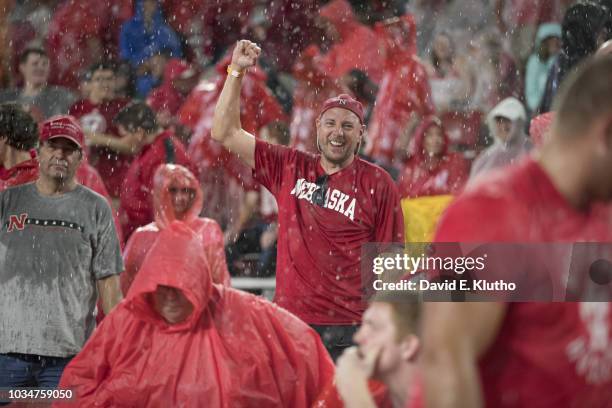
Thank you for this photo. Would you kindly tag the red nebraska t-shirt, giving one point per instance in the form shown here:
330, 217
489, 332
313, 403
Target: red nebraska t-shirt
99, 119
545, 354
319, 248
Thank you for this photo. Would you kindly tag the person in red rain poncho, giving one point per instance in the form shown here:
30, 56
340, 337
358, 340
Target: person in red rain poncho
539, 128
432, 169
313, 88
404, 93
179, 78
179, 340
355, 45
176, 196
218, 167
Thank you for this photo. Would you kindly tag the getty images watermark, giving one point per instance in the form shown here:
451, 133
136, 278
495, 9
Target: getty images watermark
490, 271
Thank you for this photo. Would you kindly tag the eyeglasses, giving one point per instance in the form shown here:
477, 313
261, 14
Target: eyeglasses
318, 197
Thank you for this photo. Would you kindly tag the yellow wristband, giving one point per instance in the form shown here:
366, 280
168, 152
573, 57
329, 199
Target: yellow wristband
233, 72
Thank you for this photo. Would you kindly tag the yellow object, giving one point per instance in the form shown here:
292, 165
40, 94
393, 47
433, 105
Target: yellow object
233, 72
421, 216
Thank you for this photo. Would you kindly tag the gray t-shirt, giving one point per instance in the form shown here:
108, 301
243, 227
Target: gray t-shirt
51, 101
52, 251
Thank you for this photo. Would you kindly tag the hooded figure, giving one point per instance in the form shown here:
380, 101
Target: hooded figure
404, 90
169, 96
169, 182
539, 63
144, 36
432, 169
179, 340
355, 45
506, 122
585, 26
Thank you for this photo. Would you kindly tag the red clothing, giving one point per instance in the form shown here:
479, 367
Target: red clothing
420, 179
233, 350
165, 96
313, 88
136, 196
404, 90
99, 119
545, 354
357, 48
319, 249
143, 238
22, 173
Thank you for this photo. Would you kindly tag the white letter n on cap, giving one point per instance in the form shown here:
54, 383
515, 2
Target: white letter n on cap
17, 222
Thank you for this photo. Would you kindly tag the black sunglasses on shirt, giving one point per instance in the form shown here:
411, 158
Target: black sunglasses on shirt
318, 197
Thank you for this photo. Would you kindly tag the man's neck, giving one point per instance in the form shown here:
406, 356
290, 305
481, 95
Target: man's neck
12, 157
54, 187
31, 89
566, 172
400, 385
331, 168
95, 99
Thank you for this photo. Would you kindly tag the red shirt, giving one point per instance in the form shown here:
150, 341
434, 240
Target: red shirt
136, 195
318, 274
545, 354
24, 172
99, 118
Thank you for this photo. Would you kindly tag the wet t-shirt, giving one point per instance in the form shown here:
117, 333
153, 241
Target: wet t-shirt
52, 252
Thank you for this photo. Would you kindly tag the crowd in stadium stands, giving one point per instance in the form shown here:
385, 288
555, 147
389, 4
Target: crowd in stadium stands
449, 90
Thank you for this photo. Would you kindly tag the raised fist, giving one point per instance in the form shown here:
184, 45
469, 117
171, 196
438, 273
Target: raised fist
245, 55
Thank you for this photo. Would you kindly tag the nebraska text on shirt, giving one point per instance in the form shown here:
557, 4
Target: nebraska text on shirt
334, 199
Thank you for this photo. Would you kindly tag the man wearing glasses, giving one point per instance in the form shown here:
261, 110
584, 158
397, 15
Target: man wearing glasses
329, 205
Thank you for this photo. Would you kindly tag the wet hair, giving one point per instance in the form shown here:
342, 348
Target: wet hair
18, 127
137, 115
584, 96
23, 57
406, 310
99, 66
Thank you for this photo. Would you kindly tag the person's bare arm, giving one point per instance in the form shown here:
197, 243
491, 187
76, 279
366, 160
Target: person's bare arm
247, 211
110, 292
226, 127
124, 145
455, 336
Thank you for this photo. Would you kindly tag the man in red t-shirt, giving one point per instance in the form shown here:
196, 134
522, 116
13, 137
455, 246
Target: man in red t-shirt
155, 146
96, 115
329, 205
533, 354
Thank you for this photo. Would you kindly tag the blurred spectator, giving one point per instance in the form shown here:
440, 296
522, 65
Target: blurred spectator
519, 20
36, 96
96, 115
585, 27
125, 81
506, 123
432, 169
178, 81
404, 95
365, 91
180, 340
81, 33
222, 175
18, 139
313, 88
354, 45
150, 74
177, 195
155, 146
450, 82
146, 38
256, 227
547, 46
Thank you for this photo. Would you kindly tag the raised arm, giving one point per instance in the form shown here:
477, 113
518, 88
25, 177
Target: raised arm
226, 127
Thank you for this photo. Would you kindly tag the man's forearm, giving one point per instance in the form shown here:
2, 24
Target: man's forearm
227, 112
110, 292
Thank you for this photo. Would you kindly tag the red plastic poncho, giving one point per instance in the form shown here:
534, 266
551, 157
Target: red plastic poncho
358, 47
143, 238
235, 349
404, 90
313, 88
539, 127
418, 179
166, 96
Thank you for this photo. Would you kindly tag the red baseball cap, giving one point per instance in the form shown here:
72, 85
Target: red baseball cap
65, 126
344, 101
